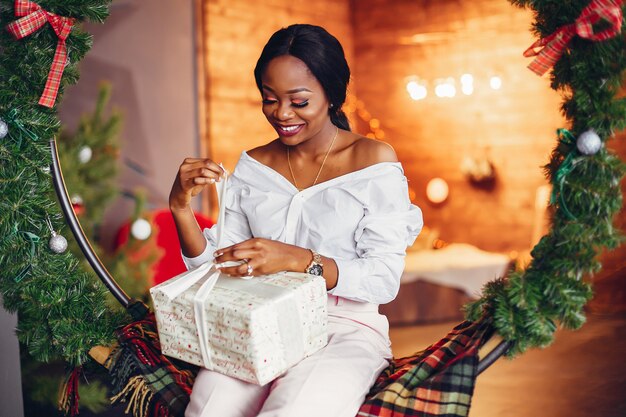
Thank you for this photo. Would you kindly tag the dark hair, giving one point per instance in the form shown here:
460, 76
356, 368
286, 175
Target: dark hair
323, 55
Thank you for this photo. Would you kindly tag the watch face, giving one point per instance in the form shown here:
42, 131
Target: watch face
316, 270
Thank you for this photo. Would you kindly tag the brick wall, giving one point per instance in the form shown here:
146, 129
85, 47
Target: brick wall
514, 126
387, 43
235, 33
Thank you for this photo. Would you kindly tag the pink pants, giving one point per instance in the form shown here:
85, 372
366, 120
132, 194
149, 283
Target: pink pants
332, 382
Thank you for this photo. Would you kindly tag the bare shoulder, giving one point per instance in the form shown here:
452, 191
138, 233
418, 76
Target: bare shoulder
371, 151
265, 153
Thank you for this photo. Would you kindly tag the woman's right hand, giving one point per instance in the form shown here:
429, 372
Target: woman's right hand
193, 175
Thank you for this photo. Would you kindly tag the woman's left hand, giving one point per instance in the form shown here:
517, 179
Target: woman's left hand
262, 257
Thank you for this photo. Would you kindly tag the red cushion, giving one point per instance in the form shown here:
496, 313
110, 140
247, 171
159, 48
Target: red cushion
170, 262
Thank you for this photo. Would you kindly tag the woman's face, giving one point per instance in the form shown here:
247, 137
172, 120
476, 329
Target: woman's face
294, 101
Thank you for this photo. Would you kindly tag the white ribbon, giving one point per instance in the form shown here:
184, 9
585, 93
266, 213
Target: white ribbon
174, 287
199, 301
210, 274
221, 194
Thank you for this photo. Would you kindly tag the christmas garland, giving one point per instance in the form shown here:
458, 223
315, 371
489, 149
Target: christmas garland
62, 309
527, 306
62, 312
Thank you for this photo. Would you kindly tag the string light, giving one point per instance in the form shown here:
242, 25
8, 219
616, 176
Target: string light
467, 84
416, 90
447, 87
495, 82
354, 106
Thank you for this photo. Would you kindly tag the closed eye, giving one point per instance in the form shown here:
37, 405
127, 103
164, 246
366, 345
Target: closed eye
298, 105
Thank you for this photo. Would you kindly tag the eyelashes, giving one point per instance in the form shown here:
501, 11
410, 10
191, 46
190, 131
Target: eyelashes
297, 105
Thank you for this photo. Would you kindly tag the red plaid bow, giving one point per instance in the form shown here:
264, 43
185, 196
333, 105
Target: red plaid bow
33, 18
554, 45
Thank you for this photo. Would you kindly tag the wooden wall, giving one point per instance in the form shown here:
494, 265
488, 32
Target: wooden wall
514, 126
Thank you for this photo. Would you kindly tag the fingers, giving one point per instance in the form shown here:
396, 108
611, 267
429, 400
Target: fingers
247, 252
195, 171
244, 270
235, 253
194, 174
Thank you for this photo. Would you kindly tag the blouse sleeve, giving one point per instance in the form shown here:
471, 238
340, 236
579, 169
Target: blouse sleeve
390, 224
236, 226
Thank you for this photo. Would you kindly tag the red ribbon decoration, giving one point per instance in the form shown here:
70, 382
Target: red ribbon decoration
33, 18
555, 44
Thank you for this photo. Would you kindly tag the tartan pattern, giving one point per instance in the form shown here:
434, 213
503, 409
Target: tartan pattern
438, 381
139, 354
33, 18
554, 45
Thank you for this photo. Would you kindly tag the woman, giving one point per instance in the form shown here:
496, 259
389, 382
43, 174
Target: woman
319, 199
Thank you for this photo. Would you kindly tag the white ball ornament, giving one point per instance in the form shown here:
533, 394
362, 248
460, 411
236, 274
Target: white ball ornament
589, 143
4, 129
84, 154
76, 199
57, 243
141, 229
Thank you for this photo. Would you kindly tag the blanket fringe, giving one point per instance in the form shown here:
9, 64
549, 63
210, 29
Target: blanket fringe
138, 395
68, 397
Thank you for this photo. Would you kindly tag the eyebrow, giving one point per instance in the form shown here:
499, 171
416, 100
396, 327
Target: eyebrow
295, 90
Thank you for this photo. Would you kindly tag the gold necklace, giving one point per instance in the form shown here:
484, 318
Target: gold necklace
321, 167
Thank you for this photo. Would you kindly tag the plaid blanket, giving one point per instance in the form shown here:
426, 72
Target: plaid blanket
438, 381
152, 384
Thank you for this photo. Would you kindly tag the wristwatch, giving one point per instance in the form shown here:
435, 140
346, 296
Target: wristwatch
316, 266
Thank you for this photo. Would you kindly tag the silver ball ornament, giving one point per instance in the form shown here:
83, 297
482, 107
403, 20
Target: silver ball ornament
4, 129
84, 154
57, 243
141, 229
589, 143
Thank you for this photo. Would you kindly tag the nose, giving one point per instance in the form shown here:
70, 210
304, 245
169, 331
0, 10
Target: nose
283, 111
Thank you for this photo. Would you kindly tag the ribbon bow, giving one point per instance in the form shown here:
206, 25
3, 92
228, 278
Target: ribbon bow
554, 45
33, 18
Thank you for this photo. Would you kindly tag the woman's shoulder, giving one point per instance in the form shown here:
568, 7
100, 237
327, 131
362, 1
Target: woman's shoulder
265, 154
366, 152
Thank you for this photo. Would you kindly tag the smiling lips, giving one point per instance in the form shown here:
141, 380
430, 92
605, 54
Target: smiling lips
288, 130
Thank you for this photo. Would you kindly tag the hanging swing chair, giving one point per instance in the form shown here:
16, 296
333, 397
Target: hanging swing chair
436, 381
511, 316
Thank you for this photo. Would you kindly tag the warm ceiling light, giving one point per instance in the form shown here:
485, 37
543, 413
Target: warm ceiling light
437, 190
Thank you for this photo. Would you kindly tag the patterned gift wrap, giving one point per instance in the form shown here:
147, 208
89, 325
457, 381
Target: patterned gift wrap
253, 330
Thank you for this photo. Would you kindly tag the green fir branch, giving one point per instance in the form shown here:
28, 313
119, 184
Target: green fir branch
62, 312
527, 308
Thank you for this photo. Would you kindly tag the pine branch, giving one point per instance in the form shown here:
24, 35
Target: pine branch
527, 307
62, 312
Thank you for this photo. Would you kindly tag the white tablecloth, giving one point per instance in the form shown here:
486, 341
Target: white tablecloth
458, 265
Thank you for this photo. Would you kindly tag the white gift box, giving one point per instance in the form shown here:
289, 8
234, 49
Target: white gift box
253, 330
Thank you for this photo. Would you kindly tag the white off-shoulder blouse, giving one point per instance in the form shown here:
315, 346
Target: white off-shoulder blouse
363, 220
